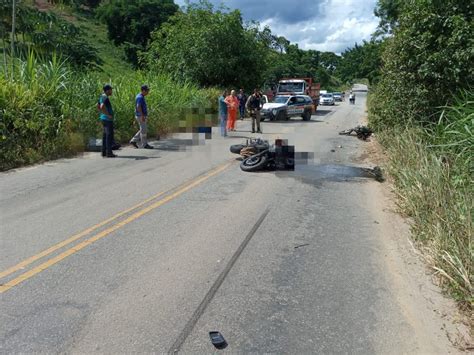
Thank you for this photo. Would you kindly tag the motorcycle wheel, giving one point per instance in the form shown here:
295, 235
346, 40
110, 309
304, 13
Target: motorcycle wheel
254, 163
236, 148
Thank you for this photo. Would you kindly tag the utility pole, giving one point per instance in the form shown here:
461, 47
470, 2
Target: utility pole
12, 54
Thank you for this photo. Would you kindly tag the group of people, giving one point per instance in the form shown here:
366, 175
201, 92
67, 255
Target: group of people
230, 105
106, 112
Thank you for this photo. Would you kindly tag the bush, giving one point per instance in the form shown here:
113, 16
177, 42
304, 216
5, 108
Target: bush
433, 173
426, 62
49, 108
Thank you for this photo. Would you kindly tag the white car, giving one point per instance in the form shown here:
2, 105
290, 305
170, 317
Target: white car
286, 106
326, 99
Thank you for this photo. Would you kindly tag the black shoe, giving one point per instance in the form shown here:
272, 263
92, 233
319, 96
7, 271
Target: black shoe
253, 131
111, 156
148, 147
134, 144
259, 131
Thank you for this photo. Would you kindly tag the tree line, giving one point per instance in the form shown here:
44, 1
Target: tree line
199, 43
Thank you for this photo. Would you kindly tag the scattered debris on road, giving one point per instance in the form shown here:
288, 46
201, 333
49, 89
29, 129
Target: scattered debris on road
375, 172
362, 132
301, 245
218, 340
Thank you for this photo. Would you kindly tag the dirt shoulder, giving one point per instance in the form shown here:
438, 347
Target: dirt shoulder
431, 314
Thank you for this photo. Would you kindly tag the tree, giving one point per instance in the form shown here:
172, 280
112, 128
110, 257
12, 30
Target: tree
46, 33
212, 48
428, 59
388, 11
130, 23
361, 62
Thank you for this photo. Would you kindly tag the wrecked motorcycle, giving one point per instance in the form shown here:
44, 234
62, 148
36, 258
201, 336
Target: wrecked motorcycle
362, 132
278, 156
251, 147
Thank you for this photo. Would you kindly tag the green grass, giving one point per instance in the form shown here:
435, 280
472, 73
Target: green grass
114, 62
50, 111
433, 171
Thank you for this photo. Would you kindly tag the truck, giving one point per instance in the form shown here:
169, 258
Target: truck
299, 86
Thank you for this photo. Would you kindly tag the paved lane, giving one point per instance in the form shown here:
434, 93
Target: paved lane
312, 278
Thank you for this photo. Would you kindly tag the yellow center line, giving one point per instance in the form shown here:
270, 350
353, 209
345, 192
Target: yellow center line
72, 239
98, 236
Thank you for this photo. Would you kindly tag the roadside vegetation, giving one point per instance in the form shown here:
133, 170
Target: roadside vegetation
66, 50
422, 106
50, 111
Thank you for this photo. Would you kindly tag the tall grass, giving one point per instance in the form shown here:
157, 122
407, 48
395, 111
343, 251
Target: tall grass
49, 110
433, 171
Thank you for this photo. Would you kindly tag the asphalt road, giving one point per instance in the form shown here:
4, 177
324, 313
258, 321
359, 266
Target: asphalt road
151, 251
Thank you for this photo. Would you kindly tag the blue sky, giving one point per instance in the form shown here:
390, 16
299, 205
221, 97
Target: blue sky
324, 25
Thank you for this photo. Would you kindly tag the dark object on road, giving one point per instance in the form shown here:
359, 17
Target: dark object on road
279, 156
218, 340
362, 132
250, 147
376, 173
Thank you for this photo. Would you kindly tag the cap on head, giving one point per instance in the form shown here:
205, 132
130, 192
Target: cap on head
145, 88
107, 87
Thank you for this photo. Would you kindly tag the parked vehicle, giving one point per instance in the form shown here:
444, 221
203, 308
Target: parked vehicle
286, 106
337, 96
299, 86
327, 99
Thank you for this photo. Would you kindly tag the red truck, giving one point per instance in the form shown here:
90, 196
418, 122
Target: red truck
299, 86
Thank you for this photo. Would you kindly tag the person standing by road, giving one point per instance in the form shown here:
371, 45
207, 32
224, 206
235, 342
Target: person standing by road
253, 105
223, 113
107, 119
141, 116
242, 101
232, 106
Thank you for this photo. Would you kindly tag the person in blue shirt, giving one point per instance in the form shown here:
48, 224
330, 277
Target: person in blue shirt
223, 113
107, 119
141, 116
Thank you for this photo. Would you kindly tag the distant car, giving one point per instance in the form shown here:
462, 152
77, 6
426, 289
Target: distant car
286, 106
337, 96
326, 99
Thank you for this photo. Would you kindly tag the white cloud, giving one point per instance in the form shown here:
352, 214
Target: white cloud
324, 25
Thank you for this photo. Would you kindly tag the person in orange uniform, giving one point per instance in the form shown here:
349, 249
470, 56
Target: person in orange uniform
232, 108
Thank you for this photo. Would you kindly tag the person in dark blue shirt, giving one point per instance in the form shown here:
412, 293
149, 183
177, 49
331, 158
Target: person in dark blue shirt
242, 101
139, 140
107, 119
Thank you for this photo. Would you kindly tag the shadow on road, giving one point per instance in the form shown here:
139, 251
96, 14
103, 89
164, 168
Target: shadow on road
311, 173
136, 157
320, 112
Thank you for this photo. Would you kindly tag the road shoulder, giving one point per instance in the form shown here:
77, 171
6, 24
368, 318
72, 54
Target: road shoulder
421, 300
